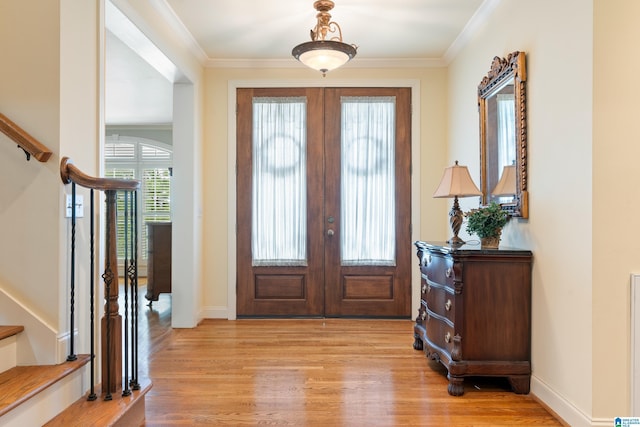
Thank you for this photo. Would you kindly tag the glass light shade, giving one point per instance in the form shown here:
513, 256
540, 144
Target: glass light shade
324, 55
456, 182
507, 184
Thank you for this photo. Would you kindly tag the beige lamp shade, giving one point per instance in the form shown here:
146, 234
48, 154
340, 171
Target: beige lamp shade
456, 181
507, 184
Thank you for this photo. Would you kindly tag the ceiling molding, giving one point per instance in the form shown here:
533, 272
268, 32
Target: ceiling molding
176, 24
178, 27
470, 30
356, 63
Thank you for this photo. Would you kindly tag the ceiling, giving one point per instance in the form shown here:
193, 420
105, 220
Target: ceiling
262, 33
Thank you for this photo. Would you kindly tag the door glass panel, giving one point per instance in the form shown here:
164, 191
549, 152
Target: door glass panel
368, 181
279, 202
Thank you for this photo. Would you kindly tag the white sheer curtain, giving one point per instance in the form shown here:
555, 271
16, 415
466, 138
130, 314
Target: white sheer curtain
368, 181
506, 130
279, 214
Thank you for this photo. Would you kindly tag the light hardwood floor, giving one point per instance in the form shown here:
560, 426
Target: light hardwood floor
310, 372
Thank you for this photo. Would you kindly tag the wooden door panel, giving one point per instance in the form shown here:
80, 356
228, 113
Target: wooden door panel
280, 290
368, 290
358, 287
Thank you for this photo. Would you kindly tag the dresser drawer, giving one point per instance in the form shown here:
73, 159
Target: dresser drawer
440, 331
438, 269
440, 300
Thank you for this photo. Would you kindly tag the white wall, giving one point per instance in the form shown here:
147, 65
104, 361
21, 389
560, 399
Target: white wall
616, 238
580, 369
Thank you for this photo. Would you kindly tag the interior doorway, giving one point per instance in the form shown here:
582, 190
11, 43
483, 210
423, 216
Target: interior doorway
324, 202
157, 85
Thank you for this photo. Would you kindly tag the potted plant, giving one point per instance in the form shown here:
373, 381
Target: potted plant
487, 223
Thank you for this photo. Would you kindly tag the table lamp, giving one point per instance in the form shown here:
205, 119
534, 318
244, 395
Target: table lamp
456, 182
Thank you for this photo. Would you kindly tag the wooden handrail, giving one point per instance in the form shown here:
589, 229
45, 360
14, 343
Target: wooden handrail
111, 326
30, 145
70, 173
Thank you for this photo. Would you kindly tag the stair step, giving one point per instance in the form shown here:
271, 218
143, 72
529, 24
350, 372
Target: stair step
9, 331
121, 411
9, 346
21, 383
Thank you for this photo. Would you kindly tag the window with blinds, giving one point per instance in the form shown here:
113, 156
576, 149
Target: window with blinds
150, 162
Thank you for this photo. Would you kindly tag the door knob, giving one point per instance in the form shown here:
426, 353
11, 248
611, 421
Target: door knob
330, 232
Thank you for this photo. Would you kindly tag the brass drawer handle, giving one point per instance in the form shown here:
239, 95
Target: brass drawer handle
447, 338
447, 305
449, 272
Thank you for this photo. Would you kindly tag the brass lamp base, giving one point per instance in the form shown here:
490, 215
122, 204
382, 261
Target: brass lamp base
456, 241
455, 220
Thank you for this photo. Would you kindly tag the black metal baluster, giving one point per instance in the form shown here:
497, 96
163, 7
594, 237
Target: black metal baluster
134, 294
72, 355
126, 219
92, 394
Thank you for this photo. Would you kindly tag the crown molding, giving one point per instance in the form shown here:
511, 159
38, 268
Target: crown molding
355, 63
477, 20
176, 25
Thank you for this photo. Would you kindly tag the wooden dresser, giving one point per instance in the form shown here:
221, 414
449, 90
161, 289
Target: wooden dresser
158, 260
475, 312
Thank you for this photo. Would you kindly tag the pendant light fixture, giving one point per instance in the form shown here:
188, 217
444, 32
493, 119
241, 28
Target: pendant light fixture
324, 52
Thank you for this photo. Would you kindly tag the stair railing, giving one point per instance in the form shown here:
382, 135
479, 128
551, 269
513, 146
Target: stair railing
30, 145
118, 193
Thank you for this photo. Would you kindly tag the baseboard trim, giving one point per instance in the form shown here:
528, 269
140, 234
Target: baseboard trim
214, 312
566, 411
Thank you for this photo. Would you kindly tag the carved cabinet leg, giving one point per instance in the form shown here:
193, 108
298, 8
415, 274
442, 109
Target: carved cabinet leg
417, 343
456, 385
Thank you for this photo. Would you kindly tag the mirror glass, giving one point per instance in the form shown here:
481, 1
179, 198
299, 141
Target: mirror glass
503, 144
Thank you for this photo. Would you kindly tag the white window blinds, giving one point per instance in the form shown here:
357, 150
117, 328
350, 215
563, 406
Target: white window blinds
151, 165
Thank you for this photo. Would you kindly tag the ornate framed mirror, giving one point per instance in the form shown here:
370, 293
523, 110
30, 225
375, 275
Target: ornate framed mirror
503, 135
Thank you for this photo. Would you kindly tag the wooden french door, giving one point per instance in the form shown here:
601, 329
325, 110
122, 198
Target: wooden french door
324, 202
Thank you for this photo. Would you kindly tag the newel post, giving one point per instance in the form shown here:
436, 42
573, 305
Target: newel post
111, 324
